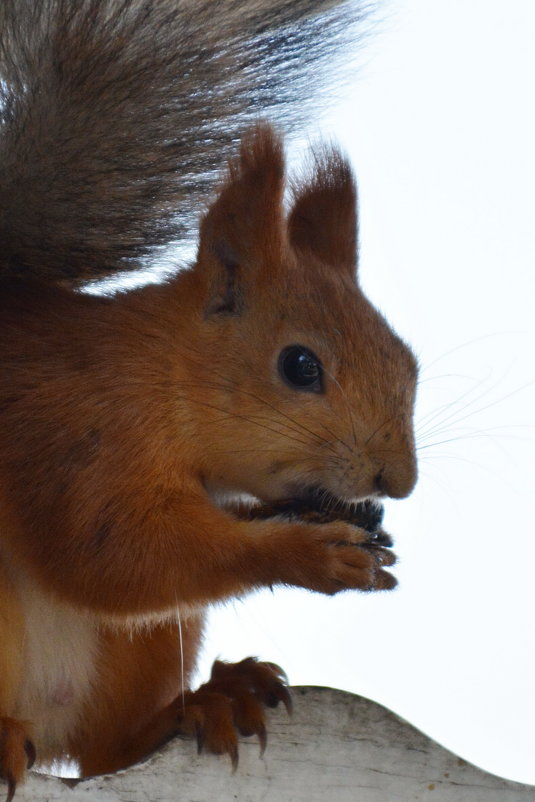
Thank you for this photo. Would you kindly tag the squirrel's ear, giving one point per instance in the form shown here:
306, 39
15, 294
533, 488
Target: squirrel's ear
323, 218
243, 231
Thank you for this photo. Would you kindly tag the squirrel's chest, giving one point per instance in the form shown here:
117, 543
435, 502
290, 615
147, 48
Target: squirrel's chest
59, 668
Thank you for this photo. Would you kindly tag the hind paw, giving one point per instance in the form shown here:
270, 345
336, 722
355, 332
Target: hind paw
233, 702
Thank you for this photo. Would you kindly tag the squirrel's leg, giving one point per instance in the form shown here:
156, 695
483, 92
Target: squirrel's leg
128, 719
232, 701
17, 751
141, 672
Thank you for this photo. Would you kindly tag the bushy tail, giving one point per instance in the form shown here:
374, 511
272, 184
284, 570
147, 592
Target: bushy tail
114, 115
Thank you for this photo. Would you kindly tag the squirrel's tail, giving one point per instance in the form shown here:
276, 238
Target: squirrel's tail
115, 113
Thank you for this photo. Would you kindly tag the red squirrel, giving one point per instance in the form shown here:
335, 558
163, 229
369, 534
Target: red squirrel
131, 422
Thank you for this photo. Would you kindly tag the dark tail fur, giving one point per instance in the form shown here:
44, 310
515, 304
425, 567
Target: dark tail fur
114, 115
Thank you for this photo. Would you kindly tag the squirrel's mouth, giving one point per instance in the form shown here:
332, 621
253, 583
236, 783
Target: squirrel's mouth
310, 504
321, 499
323, 505
318, 498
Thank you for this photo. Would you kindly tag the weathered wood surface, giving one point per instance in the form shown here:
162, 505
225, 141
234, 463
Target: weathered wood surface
337, 746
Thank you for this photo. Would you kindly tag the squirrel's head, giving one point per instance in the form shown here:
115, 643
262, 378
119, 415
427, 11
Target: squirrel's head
303, 386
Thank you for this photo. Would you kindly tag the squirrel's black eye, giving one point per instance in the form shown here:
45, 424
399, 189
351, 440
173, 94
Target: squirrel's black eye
301, 369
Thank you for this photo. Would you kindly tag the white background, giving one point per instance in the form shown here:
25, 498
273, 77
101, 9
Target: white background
439, 125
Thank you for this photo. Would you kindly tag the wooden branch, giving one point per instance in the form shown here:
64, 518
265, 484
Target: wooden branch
336, 747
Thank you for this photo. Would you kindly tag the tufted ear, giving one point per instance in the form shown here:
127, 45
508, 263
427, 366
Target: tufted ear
243, 232
323, 218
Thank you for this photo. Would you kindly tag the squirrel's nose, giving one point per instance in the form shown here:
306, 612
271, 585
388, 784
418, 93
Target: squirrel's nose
378, 483
396, 481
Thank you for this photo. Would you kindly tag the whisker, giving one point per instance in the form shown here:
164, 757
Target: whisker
237, 416
387, 421
475, 435
350, 411
430, 416
444, 487
227, 385
395, 452
439, 376
270, 406
335, 437
181, 642
467, 344
443, 456
456, 421
285, 415
247, 451
455, 405
490, 432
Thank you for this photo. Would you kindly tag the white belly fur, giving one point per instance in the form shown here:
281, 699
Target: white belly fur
60, 662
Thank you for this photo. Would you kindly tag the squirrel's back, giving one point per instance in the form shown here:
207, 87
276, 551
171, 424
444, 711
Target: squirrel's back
115, 115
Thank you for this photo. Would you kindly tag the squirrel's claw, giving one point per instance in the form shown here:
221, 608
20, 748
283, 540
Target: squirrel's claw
12, 787
232, 702
262, 737
31, 754
17, 753
234, 757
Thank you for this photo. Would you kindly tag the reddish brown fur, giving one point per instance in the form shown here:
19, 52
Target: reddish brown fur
123, 418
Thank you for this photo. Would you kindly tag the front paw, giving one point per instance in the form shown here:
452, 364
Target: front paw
337, 556
17, 753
